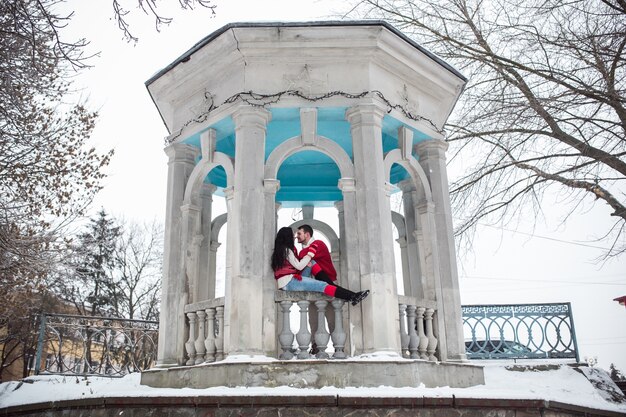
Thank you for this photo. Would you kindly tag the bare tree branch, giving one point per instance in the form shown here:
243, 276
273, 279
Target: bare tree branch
545, 105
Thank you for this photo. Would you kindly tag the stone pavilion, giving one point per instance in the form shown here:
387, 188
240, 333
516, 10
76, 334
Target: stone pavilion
313, 114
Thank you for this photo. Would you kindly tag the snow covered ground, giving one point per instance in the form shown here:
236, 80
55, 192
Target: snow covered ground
589, 387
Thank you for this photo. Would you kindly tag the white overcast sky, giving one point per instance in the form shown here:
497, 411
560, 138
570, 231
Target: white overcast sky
556, 265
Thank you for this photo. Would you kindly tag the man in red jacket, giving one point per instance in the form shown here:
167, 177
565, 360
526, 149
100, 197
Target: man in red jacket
322, 270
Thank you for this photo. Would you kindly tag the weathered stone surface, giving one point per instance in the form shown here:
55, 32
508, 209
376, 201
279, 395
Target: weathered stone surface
318, 374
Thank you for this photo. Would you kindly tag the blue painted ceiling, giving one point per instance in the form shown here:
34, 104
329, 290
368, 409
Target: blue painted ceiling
307, 177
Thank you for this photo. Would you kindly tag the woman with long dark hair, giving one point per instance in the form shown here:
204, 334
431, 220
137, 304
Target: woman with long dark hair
287, 269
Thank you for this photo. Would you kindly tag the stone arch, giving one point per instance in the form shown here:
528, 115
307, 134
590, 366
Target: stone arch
410, 164
398, 220
216, 226
296, 144
202, 169
324, 228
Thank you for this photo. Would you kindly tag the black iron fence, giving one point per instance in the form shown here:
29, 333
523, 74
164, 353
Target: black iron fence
84, 345
520, 331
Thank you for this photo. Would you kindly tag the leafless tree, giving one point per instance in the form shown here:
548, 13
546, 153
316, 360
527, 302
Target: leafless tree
137, 274
150, 8
544, 107
48, 173
113, 269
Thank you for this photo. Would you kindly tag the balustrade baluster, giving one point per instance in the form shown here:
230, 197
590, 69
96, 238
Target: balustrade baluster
286, 335
304, 336
209, 342
199, 344
219, 340
423, 343
321, 335
190, 344
339, 335
432, 340
404, 336
413, 338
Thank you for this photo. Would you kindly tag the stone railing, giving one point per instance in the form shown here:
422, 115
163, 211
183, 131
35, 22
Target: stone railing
417, 336
206, 331
284, 301
206, 328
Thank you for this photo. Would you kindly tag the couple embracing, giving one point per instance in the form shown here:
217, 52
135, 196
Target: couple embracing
310, 270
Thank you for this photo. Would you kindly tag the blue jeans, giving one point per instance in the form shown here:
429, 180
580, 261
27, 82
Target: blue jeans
306, 272
307, 284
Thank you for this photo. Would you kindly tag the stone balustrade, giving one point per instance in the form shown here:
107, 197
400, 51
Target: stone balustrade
285, 300
417, 336
206, 328
206, 331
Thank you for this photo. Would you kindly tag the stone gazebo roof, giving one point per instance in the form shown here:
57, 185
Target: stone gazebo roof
320, 64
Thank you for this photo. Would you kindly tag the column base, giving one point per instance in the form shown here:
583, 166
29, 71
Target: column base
166, 363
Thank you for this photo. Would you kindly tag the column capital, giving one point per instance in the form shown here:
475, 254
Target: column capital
181, 152
246, 115
425, 207
228, 193
207, 190
389, 188
187, 208
271, 186
339, 206
432, 148
214, 245
367, 113
407, 186
347, 185
401, 241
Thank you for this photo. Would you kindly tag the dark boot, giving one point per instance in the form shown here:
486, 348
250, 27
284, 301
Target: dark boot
360, 296
323, 276
344, 294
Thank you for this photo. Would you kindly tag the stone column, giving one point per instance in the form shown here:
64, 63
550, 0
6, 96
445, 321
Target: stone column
228, 196
415, 272
426, 235
270, 208
171, 350
206, 285
308, 212
406, 275
432, 157
349, 248
381, 329
191, 240
213, 247
244, 289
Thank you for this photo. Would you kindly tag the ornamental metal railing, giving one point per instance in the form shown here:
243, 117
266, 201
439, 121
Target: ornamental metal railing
87, 345
520, 331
